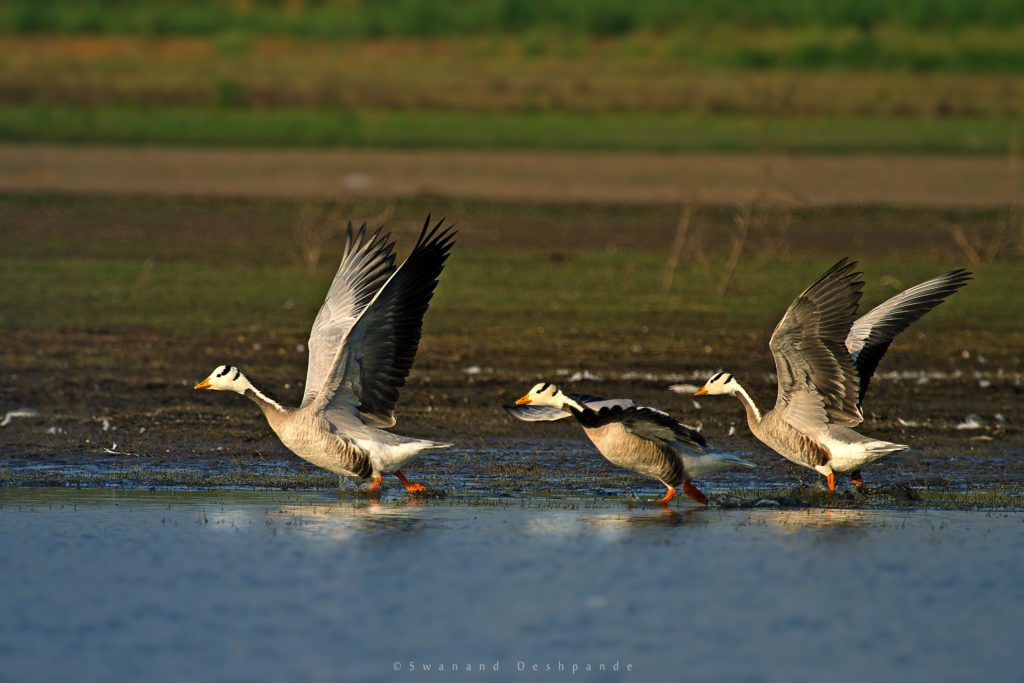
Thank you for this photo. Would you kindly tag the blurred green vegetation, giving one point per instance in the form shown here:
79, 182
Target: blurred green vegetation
321, 128
705, 75
919, 34
375, 18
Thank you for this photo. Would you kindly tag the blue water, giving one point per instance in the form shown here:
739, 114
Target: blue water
101, 585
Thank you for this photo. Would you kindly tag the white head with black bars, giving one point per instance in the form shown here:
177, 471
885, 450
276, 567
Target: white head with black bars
720, 384
225, 378
546, 394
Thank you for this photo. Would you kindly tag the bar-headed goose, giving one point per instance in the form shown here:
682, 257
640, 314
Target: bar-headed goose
825, 359
361, 349
644, 440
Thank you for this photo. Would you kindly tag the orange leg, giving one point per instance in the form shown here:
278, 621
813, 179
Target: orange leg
831, 481
858, 480
375, 486
668, 495
694, 492
409, 486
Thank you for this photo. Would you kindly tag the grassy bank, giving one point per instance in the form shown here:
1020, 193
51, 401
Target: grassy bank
547, 130
618, 295
185, 265
635, 92
954, 34
473, 74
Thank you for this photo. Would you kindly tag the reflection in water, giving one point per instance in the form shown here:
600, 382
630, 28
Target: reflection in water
794, 521
337, 521
610, 525
664, 517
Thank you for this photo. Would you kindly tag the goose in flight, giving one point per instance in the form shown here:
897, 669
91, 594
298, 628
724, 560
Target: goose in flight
825, 357
644, 440
361, 348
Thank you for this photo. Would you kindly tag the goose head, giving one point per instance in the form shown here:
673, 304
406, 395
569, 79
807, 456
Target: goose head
225, 378
720, 384
544, 394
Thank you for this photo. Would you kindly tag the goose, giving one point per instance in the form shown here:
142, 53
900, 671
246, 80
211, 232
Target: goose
825, 359
361, 348
637, 438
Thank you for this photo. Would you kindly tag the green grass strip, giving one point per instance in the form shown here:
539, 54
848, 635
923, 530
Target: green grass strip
547, 130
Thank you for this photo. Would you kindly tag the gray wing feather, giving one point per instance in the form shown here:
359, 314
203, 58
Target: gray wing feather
645, 423
367, 263
871, 334
378, 350
653, 424
809, 346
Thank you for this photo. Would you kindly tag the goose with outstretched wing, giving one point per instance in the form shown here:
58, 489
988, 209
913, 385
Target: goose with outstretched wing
637, 438
825, 357
361, 349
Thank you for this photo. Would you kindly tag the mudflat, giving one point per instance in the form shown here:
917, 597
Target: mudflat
526, 176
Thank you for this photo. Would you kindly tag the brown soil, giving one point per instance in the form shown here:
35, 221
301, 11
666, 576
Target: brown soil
514, 176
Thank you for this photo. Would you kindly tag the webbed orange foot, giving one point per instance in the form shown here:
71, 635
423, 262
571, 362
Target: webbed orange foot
669, 495
375, 486
694, 492
409, 486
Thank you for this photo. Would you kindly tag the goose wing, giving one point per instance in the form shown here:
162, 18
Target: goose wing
818, 383
377, 353
871, 334
646, 423
367, 263
533, 413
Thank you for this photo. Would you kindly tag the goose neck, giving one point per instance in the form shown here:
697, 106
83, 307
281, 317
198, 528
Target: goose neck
259, 397
753, 414
567, 402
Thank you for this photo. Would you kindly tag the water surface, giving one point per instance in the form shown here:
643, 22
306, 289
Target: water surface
102, 585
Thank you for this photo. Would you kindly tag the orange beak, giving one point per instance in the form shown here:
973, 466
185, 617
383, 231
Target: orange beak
522, 401
205, 384
701, 391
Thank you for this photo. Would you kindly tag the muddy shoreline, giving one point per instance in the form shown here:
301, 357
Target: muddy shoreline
131, 419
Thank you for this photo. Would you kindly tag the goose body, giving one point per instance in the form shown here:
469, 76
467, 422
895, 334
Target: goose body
825, 358
637, 438
361, 349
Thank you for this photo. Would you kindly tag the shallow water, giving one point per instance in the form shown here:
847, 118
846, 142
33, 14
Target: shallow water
104, 585
560, 468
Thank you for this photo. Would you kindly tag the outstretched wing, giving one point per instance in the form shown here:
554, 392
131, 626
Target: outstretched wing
378, 351
871, 334
534, 413
646, 423
367, 263
818, 383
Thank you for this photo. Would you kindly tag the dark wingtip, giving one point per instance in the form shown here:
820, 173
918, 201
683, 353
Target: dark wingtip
437, 236
961, 275
843, 268
432, 234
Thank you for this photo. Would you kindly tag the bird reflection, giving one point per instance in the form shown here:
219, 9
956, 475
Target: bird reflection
651, 517
347, 519
839, 520
612, 525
